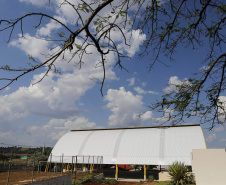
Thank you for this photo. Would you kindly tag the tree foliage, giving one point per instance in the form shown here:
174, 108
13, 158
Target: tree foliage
167, 24
19, 150
35, 158
3, 157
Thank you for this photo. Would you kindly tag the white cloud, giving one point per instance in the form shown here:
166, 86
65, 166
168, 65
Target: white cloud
125, 107
152, 92
204, 68
131, 81
222, 109
58, 127
173, 82
49, 98
49, 132
36, 2
211, 138
32, 46
220, 128
144, 84
135, 40
6, 89
142, 91
52, 25
57, 97
167, 116
67, 12
146, 116
139, 90
223, 140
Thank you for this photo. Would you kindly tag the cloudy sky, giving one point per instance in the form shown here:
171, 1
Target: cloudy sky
34, 114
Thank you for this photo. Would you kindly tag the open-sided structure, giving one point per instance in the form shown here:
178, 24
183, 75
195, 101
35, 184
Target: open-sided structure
138, 145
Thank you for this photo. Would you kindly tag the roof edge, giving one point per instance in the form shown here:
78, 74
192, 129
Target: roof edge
137, 127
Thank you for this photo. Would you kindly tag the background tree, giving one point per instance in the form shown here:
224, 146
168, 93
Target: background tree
167, 25
35, 158
3, 157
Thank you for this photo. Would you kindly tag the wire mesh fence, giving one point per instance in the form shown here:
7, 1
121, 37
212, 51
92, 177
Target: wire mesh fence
34, 168
81, 167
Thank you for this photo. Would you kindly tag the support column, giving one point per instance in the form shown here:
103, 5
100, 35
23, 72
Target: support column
116, 172
145, 176
91, 168
68, 167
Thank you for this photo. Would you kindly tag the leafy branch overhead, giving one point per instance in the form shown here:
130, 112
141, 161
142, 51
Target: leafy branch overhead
168, 25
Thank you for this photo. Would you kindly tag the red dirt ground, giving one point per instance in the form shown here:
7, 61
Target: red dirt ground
20, 178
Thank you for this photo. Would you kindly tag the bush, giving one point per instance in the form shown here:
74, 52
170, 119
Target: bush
178, 172
191, 178
37, 157
151, 177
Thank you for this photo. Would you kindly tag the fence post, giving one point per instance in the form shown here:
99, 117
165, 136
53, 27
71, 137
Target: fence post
102, 166
62, 164
87, 168
50, 164
76, 163
33, 168
27, 163
82, 166
97, 164
72, 168
55, 167
38, 167
10, 161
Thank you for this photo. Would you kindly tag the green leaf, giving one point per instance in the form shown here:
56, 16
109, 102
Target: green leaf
78, 46
62, 34
6, 67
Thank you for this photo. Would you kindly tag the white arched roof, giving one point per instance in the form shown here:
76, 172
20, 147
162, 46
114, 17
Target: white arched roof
144, 145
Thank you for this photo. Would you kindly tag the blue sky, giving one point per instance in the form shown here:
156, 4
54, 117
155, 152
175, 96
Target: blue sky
34, 114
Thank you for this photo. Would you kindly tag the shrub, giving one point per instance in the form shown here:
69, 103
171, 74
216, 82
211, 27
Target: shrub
151, 177
191, 179
178, 172
37, 157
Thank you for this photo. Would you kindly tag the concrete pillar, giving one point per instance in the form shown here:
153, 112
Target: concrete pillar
84, 168
75, 167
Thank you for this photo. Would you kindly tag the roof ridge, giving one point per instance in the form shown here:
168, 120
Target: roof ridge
166, 126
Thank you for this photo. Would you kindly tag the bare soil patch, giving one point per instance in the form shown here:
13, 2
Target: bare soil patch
20, 178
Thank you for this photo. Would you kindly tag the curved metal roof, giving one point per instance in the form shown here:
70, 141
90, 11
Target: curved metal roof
144, 145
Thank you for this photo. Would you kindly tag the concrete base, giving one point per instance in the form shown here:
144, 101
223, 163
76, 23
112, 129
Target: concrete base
164, 176
116, 176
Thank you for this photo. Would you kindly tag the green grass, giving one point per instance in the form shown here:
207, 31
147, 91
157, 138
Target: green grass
168, 183
105, 181
165, 183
